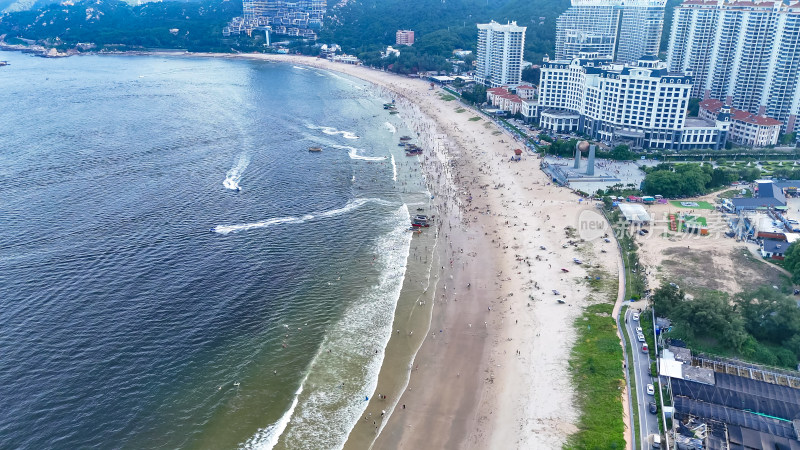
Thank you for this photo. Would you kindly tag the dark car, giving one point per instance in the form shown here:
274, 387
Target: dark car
653, 408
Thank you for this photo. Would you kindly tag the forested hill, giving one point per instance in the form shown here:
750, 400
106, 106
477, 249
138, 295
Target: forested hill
441, 25
195, 26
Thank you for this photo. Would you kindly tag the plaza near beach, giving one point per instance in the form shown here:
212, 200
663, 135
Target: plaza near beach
591, 174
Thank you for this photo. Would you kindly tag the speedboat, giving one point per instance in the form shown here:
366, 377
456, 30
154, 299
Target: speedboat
315, 149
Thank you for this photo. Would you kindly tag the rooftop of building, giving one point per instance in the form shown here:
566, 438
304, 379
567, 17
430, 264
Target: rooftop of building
775, 246
714, 106
510, 26
604, 66
696, 122
763, 4
563, 113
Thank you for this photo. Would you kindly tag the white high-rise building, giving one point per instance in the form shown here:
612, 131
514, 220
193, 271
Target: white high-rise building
744, 53
641, 104
500, 49
623, 30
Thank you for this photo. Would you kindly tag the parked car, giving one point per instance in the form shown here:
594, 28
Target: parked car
653, 408
651, 390
636, 316
645, 349
640, 337
639, 330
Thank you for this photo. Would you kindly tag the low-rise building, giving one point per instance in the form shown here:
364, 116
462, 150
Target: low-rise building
346, 59
642, 104
390, 51
769, 195
746, 128
526, 92
774, 249
502, 98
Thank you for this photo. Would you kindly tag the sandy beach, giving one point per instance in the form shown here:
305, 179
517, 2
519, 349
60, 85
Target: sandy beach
491, 370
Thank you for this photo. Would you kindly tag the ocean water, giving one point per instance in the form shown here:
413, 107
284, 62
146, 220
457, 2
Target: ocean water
176, 269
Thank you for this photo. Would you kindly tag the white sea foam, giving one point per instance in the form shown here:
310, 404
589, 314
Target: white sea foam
353, 153
390, 127
394, 169
333, 131
234, 175
350, 206
267, 437
299, 68
328, 410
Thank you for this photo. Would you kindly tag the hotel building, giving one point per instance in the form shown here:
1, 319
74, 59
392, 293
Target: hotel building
621, 30
640, 104
499, 56
744, 53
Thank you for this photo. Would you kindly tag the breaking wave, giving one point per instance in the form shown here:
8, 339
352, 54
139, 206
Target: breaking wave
352, 152
351, 205
390, 127
333, 131
328, 410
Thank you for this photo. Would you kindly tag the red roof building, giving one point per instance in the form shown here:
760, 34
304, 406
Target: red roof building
746, 128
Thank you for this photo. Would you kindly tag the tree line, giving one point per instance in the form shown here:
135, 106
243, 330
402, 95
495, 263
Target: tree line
689, 180
761, 325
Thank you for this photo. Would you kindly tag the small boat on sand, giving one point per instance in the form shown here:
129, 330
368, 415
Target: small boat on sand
405, 138
315, 149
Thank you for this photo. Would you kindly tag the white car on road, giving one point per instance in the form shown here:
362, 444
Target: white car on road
636, 316
651, 390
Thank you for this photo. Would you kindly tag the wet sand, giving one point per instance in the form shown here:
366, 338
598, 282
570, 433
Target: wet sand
492, 369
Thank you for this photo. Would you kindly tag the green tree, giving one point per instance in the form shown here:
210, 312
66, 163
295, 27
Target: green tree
791, 260
694, 107
531, 75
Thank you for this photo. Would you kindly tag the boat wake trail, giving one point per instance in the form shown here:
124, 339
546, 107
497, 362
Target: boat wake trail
235, 174
390, 127
334, 131
353, 153
351, 205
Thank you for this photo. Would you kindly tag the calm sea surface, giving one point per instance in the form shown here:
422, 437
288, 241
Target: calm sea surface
138, 286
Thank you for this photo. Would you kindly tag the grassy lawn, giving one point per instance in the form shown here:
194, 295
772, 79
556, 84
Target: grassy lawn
460, 110
595, 365
693, 222
475, 119
734, 192
700, 204
447, 97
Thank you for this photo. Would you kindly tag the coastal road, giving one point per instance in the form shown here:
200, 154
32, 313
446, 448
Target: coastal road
648, 423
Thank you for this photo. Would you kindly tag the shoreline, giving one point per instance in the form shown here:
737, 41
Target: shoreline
465, 388
462, 387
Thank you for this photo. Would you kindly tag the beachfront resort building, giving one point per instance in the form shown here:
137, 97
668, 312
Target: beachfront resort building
744, 53
499, 56
300, 18
404, 37
523, 102
746, 128
642, 104
623, 30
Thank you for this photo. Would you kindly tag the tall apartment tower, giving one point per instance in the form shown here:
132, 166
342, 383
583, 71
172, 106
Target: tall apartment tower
746, 54
500, 49
624, 30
